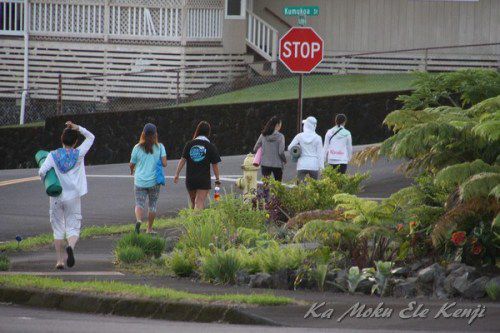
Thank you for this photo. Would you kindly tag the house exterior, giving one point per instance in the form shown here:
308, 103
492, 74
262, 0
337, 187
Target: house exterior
161, 49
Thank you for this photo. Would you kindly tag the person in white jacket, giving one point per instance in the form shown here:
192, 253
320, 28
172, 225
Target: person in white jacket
338, 145
310, 162
65, 210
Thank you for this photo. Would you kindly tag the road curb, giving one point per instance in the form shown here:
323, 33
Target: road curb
132, 307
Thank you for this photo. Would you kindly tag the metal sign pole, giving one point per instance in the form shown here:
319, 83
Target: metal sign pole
299, 106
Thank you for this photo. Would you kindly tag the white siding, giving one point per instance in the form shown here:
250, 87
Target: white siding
377, 25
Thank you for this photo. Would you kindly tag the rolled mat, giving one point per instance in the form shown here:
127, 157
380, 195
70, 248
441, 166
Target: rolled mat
52, 185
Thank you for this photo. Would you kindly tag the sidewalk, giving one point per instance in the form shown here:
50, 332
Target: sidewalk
94, 260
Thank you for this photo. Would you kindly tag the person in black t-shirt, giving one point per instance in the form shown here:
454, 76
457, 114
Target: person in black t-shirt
199, 154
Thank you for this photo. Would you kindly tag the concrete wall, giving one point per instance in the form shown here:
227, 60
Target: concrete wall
235, 127
372, 25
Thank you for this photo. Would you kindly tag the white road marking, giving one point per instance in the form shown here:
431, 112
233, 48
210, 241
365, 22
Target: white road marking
60, 273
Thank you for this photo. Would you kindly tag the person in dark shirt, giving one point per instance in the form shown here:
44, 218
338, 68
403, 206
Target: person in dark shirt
199, 154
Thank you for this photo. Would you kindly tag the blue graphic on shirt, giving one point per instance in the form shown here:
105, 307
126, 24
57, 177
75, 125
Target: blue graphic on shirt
197, 153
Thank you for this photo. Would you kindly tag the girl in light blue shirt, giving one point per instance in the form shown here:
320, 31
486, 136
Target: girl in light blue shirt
143, 165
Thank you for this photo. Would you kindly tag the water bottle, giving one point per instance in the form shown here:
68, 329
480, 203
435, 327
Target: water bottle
217, 193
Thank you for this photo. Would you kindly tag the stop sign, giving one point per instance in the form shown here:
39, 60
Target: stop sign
301, 49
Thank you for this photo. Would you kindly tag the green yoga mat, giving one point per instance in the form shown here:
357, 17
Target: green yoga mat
52, 185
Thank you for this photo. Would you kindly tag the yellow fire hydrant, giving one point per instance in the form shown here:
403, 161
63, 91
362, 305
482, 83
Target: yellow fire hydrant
248, 183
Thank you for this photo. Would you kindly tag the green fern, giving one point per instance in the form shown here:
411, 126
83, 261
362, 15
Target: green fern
479, 186
454, 175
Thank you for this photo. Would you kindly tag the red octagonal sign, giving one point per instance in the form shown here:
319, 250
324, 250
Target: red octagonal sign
301, 49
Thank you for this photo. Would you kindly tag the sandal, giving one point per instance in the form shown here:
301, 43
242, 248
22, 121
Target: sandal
138, 227
71, 256
60, 266
152, 232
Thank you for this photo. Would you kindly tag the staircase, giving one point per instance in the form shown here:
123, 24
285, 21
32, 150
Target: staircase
263, 39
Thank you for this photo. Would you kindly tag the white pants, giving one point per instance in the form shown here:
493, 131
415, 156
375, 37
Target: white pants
65, 217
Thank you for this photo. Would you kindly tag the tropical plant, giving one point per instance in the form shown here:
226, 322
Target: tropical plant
221, 266
130, 254
492, 289
4, 262
381, 276
314, 194
334, 234
319, 275
464, 87
275, 258
355, 276
182, 263
150, 245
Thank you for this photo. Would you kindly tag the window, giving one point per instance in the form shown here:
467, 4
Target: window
235, 9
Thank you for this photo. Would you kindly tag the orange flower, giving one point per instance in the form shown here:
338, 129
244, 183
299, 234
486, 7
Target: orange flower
413, 224
399, 226
458, 238
477, 249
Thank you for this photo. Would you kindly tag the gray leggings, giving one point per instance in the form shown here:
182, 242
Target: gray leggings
301, 174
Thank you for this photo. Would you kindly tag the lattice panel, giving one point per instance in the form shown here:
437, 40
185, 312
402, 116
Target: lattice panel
151, 22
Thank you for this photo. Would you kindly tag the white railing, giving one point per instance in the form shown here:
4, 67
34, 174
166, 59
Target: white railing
64, 19
12, 17
157, 21
204, 23
262, 37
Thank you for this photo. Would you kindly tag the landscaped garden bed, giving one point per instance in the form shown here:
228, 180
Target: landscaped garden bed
439, 237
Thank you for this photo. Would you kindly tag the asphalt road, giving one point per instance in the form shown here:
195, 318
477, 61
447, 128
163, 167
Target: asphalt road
24, 205
15, 318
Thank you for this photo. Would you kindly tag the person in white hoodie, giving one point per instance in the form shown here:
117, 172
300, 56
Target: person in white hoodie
65, 210
310, 162
338, 145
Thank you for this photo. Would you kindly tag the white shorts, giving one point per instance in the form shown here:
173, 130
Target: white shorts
65, 217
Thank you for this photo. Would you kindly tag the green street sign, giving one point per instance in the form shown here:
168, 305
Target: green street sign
301, 11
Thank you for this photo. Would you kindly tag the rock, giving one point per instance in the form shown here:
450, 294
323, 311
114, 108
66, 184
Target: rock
260, 280
476, 288
170, 243
448, 285
419, 264
406, 288
453, 266
242, 278
280, 279
430, 278
461, 283
341, 278
429, 274
365, 286
439, 290
401, 272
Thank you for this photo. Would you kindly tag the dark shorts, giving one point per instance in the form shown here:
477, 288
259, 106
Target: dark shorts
193, 184
277, 172
342, 168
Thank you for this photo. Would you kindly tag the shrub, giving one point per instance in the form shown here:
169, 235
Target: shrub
315, 194
130, 254
493, 290
150, 245
319, 275
275, 258
4, 262
182, 263
218, 224
334, 234
221, 266
252, 237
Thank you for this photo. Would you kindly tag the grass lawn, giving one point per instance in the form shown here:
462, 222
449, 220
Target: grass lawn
35, 124
31, 243
112, 288
314, 86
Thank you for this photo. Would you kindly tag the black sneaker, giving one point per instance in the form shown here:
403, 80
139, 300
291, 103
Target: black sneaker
138, 227
70, 262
